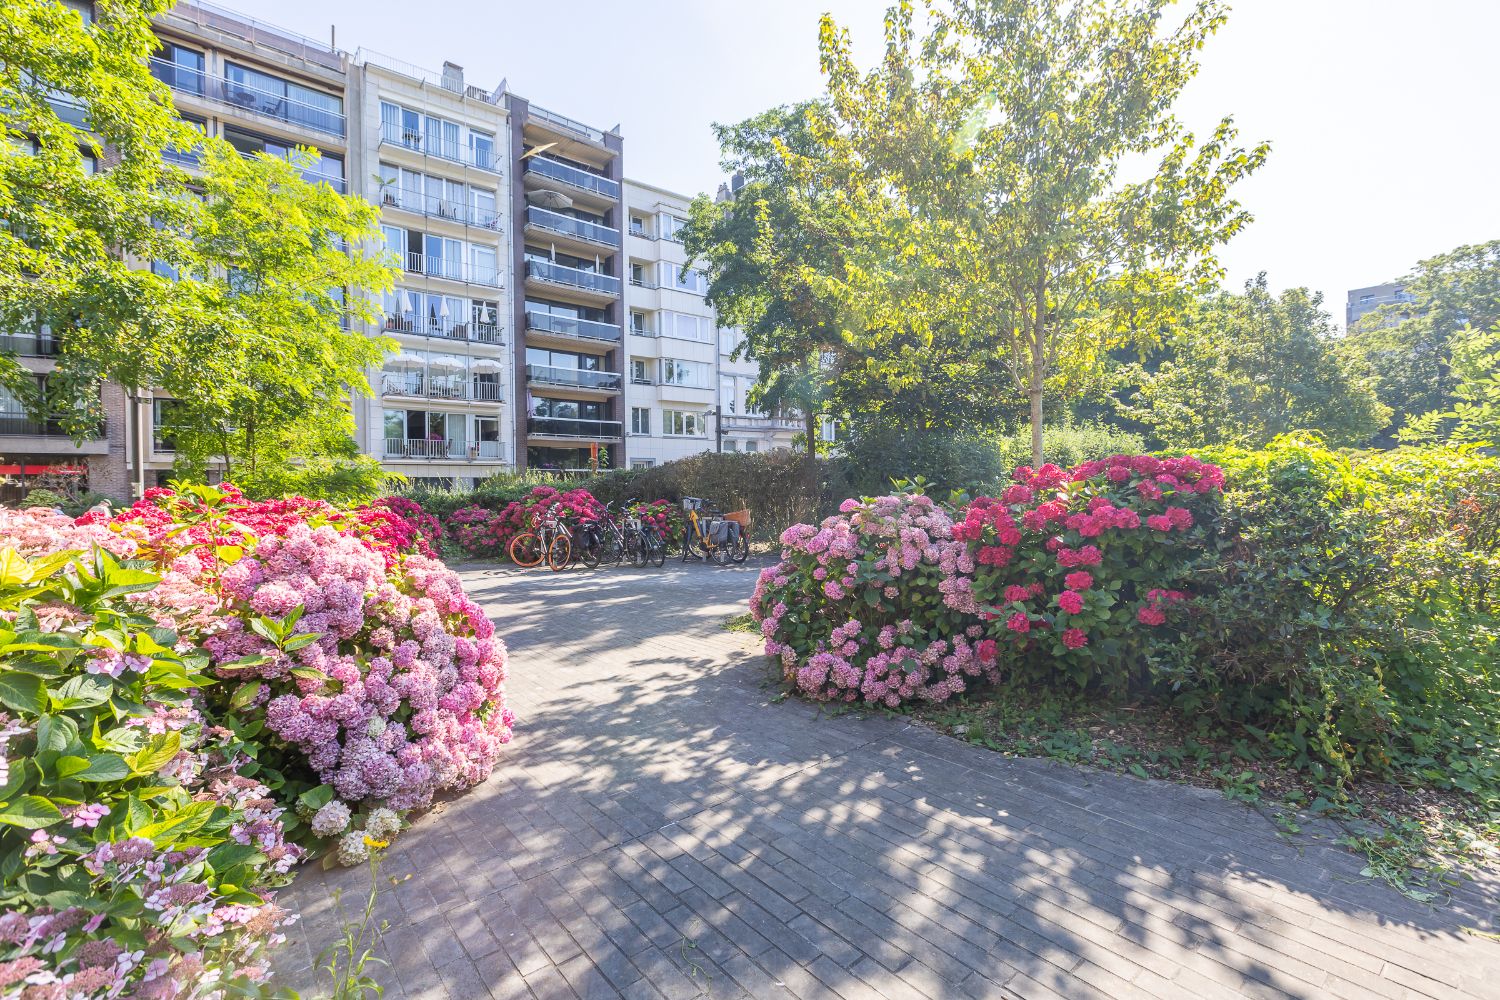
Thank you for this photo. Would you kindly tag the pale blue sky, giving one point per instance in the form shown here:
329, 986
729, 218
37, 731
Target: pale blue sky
1381, 112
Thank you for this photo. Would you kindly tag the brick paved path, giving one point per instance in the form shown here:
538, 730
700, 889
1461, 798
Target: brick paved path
661, 827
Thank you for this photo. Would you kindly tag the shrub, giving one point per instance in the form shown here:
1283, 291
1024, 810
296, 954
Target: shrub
878, 456
378, 680
1071, 444
862, 607
44, 498
134, 855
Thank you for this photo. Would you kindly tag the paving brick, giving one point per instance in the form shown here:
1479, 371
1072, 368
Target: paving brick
661, 830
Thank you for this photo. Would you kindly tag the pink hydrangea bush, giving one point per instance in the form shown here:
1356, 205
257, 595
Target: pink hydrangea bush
873, 605
378, 681
1077, 571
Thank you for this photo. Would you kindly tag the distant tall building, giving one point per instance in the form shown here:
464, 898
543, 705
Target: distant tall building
1366, 300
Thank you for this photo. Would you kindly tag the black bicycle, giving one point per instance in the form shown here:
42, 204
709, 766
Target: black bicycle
602, 540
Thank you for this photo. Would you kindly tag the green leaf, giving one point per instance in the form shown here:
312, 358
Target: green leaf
244, 695
105, 767
160, 750
84, 691
23, 692
31, 812
55, 732
66, 767
178, 825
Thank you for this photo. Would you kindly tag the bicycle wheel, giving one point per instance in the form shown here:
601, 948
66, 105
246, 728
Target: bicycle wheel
721, 553
590, 549
526, 550
560, 553
656, 549
740, 550
635, 548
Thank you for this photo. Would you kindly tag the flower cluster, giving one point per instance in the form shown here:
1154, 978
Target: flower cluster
865, 606
890, 600
487, 534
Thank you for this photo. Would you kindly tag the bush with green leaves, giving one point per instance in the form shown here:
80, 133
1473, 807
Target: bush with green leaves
134, 857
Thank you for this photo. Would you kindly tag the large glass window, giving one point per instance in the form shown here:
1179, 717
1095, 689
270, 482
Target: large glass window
283, 99
671, 227
686, 373
640, 420
686, 327
180, 68
684, 279
682, 423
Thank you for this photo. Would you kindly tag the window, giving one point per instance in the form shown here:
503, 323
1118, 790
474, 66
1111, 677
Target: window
637, 225
642, 463
752, 446
685, 327
684, 279
729, 340
686, 373
731, 445
682, 423
180, 68
482, 149
726, 395
485, 265
1366, 299
638, 323
640, 420
671, 227
638, 274
827, 430
282, 99
164, 420
640, 371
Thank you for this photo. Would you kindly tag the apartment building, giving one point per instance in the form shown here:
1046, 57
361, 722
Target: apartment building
742, 427
1367, 300
569, 306
433, 152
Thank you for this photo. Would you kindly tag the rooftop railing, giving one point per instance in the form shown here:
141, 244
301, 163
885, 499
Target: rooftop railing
208, 15
563, 121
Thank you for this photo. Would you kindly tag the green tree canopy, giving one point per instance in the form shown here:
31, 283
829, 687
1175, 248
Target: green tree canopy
1245, 369
249, 314
981, 172
1408, 344
1474, 416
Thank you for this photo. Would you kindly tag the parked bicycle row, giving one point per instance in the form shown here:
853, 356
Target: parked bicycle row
610, 538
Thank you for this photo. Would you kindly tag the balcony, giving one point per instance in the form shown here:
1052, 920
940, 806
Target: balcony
434, 207
428, 450
562, 427
760, 422
572, 277
562, 121
480, 333
415, 385
30, 345
453, 270
566, 225
247, 98
568, 326
580, 180
575, 378
480, 158
17, 425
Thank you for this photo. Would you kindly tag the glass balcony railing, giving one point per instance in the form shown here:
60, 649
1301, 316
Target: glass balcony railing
441, 208
575, 377
454, 270
30, 345
16, 424
568, 226
573, 177
565, 427
569, 326
247, 97
418, 385
479, 156
573, 277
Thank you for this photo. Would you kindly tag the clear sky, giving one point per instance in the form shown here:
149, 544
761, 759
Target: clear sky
1381, 113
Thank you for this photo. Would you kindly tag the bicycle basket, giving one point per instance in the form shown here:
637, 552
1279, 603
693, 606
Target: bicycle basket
633, 524
740, 517
691, 503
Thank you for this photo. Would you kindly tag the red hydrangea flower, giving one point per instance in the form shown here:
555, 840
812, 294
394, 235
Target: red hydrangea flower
1070, 601
1019, 622
1075, 638
1078, 581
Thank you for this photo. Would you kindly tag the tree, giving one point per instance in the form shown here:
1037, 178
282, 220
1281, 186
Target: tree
757, 250
245, 314
1474, 417
979, 171
1245, 369
1408, 344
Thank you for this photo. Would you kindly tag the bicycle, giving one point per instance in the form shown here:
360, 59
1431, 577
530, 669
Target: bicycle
551, 541
711, 534
644, 542
601, 540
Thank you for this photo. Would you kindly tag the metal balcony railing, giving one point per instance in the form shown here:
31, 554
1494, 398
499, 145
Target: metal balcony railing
570, 124
573, 177
30, 345
556, 222
16, 424
575, 377
420, 448
483, 333
429, 386
573, 277
568, 326
441, 208
481, 158
208, 15
565, 427
454, 270
247, 97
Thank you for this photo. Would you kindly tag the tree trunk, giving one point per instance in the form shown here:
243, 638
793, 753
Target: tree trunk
1038, 370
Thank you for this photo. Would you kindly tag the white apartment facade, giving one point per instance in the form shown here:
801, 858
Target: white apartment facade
434, 154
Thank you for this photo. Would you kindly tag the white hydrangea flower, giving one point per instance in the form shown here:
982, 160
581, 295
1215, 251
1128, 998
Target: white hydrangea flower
352, 848
331, 820
375, 728
383, 823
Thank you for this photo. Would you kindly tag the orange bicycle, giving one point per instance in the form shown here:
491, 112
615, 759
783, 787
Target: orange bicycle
714, 535
551, 541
